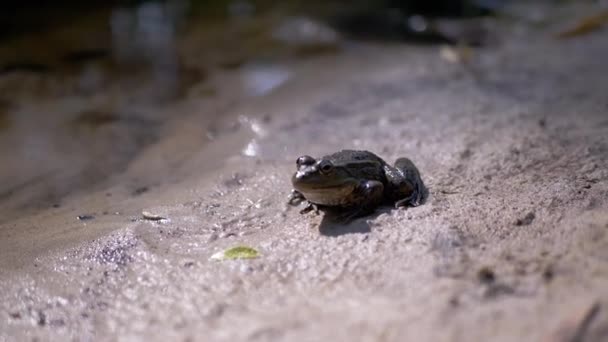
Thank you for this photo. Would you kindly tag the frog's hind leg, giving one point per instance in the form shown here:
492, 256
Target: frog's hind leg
370, 194
410, 184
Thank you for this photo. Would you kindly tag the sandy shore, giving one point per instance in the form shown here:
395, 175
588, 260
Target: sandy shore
511, 245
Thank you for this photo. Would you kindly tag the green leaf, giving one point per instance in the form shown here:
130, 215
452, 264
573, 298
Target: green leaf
239, 252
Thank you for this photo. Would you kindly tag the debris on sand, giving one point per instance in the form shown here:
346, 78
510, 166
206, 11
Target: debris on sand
239, 252
486, 275
526, 220
460, 54
548, 273
152, 216
85, 217
140, 190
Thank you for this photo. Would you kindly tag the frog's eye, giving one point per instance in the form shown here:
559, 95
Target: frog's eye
305, 160
325, 166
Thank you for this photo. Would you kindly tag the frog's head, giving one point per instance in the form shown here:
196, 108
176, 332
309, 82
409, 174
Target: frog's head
321, 177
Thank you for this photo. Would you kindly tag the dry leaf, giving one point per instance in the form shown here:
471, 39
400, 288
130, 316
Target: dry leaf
586, 25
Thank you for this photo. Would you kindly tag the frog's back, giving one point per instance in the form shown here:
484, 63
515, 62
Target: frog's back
360, 164
346, 157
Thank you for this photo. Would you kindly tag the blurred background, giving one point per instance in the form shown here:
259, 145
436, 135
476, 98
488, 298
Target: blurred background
140, 138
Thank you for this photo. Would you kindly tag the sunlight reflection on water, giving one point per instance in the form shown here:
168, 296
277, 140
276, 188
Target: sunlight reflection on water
146, 34
261, 79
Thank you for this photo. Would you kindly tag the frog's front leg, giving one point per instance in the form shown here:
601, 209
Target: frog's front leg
408, 184
295, 198
310, 207
370, 195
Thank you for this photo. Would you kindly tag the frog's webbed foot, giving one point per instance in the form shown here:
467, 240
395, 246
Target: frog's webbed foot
295, 198
310, 207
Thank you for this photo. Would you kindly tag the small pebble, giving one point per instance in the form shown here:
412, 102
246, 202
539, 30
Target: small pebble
486, 275
151, 216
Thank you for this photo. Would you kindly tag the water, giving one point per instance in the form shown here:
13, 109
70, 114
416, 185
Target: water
83, 99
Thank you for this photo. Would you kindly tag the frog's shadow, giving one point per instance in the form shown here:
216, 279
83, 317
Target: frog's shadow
331, 225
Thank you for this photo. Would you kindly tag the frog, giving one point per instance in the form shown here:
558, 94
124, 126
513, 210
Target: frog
354, 183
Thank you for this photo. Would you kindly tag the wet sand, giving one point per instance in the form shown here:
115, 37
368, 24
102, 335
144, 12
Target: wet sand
512, 243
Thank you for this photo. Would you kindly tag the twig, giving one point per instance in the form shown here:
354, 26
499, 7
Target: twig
575, 327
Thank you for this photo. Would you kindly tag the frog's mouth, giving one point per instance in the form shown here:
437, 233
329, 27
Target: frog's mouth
324, 187
327, 194
315, 182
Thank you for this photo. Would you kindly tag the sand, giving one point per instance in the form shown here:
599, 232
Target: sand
511, 244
